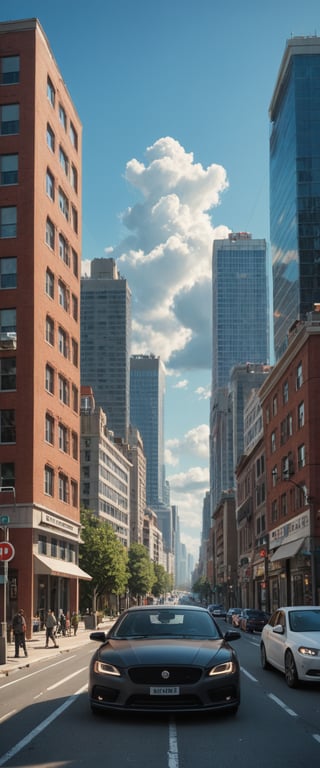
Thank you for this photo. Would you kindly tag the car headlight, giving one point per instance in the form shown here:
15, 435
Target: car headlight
308, 651
223, 669
102, 668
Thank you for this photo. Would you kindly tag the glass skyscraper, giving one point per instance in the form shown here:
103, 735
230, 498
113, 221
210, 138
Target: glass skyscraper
295, 186
147, 387
105, 342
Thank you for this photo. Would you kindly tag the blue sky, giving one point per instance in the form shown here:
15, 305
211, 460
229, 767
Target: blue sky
173, 97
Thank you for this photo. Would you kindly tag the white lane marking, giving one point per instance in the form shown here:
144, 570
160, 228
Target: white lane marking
173, 754
281, 704
245, 672
316, 737
7, 715
64, 680
41, 727
38, 671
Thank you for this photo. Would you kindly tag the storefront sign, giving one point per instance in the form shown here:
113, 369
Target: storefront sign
296, 528
64, 525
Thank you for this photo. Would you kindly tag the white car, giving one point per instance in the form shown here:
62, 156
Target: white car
290, 642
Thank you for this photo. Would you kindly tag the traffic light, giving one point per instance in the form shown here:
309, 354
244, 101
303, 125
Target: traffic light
263, 553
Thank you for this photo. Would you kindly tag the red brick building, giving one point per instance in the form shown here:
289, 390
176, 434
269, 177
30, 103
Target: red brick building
40, 252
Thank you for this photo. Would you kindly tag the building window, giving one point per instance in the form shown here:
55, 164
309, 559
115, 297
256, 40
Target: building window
75, 263
63, 487
8, 272
50, 184
62, 117
284, 505
73, 136
7, 374
8, 477
50, 330
50, 233
8, 221
274, 475
64, 250
74, 218
273, 442
64, 204
54, 548
42, 544
301, 415
285, 392
299, 379
49, 429
274, 511
50, 283
74, 307
50, 138
75, 399
64, 395
51, 94
7, 426
63, 295
275, 406
63, 342
7, 323
74, 445
9, 70
75, 353
9, 119
301, 456
63, 438
74, 493
74, 178
64, 162
48, 481
9, 165
49, 383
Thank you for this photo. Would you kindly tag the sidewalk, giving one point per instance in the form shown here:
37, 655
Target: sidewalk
37, 651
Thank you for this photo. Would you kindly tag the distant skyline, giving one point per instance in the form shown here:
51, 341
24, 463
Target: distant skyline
174, 100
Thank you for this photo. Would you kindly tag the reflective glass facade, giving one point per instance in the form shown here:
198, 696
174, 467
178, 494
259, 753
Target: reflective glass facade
147, 387
295, 186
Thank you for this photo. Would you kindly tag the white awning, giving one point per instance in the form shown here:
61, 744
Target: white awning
287, 550
55, 567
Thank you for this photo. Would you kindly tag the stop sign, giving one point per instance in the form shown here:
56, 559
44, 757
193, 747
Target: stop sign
7, 550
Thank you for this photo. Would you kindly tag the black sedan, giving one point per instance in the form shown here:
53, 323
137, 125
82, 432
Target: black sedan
252, 620
165, 659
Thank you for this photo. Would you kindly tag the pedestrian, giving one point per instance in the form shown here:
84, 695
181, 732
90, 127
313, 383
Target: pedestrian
75, 622
62, 621
51, 623
19, 626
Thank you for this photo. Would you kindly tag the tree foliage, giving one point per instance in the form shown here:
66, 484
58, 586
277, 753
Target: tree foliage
141, 570
163, 581
103, 556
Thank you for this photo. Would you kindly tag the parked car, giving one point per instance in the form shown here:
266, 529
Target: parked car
230, 613
252, 620
290, 642
235, 619
218, 610
165, 659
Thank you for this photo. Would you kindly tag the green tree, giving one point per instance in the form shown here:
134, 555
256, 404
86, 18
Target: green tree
104, 557
141, 571
163, 581
202, 588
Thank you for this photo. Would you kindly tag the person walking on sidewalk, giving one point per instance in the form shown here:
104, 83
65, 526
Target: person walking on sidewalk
51, 623
19, 626
75, 622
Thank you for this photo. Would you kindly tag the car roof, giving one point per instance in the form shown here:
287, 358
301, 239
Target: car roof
298, 608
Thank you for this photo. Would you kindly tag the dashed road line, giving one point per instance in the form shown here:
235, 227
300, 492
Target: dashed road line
281, 704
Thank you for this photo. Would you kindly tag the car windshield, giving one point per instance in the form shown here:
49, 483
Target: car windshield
305, 621
166, 623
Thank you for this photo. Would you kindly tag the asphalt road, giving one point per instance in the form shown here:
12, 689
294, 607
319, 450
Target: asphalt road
45, 720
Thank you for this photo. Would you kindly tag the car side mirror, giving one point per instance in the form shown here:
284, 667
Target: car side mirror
278, 629
99, 636
231, 634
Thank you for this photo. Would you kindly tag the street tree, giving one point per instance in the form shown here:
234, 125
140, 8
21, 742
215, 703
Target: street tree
104, 557
141, 571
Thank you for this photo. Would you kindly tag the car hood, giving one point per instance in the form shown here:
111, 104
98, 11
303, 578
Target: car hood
309, 639
128, 653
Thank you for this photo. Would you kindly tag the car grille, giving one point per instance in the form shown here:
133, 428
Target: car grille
159, 702
153, 675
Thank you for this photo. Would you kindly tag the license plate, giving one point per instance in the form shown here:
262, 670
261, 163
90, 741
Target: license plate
169, 691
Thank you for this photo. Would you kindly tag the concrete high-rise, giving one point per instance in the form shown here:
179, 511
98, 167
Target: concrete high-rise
40, 253
295, 186
147, 387
240, 334
105, 342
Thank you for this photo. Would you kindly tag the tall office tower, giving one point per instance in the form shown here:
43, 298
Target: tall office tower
147, 387
105, 342
240, 333
295, 186
40, 242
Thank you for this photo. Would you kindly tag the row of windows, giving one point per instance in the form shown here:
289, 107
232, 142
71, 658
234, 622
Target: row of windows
64, 388
62, 549
286, 427
66, 486
285, 393
51, 94
63, 294
9, 228
63, 436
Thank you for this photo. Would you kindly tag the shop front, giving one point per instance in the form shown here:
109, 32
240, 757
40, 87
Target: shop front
290, 563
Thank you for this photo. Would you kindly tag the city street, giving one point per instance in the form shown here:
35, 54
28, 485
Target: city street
45, 720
